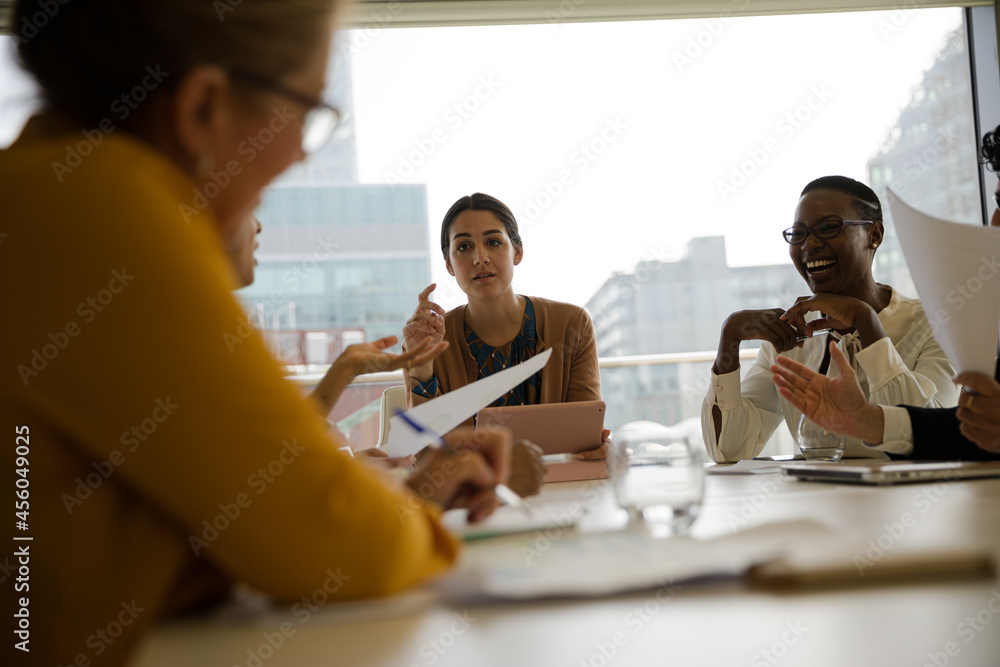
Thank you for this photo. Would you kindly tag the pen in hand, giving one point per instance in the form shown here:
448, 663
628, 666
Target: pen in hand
799, 339
502, 491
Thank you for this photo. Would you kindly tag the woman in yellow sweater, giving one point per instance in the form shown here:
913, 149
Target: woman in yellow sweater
164, 455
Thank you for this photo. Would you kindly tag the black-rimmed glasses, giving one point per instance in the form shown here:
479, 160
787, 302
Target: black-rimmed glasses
320, 121
827, 229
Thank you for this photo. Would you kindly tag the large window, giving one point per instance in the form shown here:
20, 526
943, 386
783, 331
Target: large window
652, 166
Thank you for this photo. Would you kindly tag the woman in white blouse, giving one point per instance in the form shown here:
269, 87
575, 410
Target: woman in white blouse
886, 336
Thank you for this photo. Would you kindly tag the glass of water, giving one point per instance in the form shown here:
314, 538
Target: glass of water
659, 482
817, 443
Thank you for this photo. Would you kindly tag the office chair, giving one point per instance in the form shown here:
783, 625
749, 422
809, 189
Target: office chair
392, 398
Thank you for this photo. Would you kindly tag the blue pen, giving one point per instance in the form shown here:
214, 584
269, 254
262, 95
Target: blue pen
504, 492
420, 428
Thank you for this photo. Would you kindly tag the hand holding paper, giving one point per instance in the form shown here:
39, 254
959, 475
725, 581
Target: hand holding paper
954, 268
448, 411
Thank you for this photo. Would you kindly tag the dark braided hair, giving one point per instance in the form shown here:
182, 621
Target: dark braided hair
989, 153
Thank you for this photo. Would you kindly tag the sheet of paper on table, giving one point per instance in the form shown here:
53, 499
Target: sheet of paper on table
566, 562
557, 508
447, 411
953, 267
744, 467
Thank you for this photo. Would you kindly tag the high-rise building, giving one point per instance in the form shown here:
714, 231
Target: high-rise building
664, 307
340, 262
928, 156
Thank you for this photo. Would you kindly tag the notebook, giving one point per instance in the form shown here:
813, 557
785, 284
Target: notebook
558, 428
891, 472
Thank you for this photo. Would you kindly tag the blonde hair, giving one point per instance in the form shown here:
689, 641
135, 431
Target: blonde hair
86, 54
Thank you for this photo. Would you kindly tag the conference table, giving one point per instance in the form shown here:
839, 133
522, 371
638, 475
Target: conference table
936, 618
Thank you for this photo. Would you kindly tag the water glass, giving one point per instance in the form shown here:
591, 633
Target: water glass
817, 443
659, 483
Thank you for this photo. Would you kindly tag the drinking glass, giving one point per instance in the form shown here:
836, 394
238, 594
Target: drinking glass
817, 443
659, 481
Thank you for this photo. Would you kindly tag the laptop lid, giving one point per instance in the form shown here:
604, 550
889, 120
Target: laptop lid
891, 472
557, 428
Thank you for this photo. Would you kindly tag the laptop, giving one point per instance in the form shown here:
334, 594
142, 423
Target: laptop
557, 428
882, 472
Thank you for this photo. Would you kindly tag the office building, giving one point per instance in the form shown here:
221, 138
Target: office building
664, 307
339, 262
928, 156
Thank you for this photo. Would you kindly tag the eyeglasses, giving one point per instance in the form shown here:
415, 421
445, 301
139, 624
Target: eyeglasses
320, 121
827, 229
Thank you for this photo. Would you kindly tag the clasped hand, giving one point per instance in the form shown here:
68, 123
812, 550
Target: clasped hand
784, 329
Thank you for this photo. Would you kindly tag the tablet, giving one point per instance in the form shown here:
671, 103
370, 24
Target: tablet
891, 472
558, 428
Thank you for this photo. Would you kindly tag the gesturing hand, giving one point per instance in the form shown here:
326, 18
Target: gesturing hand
425, 327
363, 358
836, 404
367, 358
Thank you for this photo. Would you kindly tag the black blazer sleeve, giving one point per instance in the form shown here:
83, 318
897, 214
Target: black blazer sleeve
936, 435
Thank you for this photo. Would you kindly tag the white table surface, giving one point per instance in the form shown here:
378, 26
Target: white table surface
717, 623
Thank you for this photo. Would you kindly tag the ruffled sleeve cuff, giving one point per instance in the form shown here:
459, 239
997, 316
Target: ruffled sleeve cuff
881, 362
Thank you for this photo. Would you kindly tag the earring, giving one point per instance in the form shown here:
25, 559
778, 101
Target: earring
874, 245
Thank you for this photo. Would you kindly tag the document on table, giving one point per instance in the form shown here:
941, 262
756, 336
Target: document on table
954, 268
565, 562
744, 467
508, 520
449, 410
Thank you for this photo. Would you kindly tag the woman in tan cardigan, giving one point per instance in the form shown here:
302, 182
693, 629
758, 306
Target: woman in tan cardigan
499, 328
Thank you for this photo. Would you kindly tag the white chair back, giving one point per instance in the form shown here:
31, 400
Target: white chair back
392, 398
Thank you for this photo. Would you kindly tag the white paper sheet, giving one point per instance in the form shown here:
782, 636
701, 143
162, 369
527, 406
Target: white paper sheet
954, 268
566, 562
449, 410
745, 467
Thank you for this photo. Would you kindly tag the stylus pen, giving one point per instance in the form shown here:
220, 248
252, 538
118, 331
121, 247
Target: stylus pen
503, 492
560, 458
815, 333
